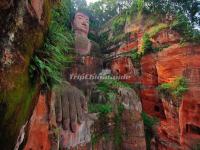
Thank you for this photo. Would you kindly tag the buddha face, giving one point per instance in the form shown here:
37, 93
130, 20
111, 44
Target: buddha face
81, 23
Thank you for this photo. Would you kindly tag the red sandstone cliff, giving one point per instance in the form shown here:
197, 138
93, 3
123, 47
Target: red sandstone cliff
22, 26
179, 125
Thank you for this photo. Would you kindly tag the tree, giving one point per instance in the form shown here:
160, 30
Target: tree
78, 4
190, 8
103, 10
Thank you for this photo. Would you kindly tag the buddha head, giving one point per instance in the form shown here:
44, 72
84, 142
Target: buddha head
81, 27
81, 23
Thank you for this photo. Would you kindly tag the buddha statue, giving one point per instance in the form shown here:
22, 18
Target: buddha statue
81, 28
70, 100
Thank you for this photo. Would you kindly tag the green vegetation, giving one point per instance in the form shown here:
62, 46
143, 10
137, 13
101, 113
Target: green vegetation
120, 37
118, 24
146, 44
182, 25
49, 61
103, 109
104, 10
149, 122
135, 57
156, 29
117, 130
17, 95
175, 88
185, 11
140, 6
103, 39
106, 42
109, 87
181, 14
104, 133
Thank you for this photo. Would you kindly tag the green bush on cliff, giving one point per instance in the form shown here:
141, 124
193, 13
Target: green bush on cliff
156, 29
175, 88
103, 109
135, 56
149, 123
49, 61
146, 44
110, 86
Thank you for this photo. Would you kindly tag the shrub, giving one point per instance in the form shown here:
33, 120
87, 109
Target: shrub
175, 89
103, 109
146, 44
149, 122
156, 29
49, 61
135, 56
109, 87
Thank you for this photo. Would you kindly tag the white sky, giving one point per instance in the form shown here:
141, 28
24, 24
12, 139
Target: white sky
91, 1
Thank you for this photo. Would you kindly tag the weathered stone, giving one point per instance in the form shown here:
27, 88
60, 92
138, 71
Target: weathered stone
20, 35
38, 135
81, 28
35, 8
132, 121
182, 123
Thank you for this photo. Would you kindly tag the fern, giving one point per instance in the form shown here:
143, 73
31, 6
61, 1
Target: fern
52, 58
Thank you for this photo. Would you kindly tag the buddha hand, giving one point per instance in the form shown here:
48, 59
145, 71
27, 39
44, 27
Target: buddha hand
70, 107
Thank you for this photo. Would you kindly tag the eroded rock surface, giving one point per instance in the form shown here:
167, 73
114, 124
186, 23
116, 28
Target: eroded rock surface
20, 36
179, 124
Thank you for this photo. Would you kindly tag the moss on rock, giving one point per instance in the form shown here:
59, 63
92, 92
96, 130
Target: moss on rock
17, 94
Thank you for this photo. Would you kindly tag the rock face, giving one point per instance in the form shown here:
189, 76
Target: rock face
124, 67
145, 75
35, 8
117, 125
149, 80
69, 124
132, 121
182, 122
39, 135
179, 124
20, 35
